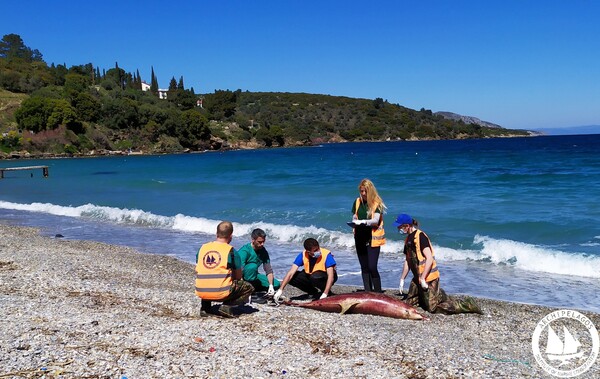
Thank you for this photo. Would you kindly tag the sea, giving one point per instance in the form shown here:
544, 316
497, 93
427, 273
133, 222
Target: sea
514, 219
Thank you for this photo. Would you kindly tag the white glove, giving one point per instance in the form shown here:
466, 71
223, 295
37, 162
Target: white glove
277, 295
271, 290
401, 285
359, 222
323, 295
423, 283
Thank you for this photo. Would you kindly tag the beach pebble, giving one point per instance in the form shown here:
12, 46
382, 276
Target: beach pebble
86, 309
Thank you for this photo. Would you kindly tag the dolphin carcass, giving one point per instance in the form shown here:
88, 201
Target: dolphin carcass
370, 303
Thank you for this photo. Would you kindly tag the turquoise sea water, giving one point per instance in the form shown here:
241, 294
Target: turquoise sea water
515, 219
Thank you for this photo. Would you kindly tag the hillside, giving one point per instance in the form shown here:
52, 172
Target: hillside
9, 103
82, 110
467, 119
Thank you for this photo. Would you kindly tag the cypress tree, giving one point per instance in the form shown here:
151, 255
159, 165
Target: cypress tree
139, 80
172, 84
180, 84
153, 82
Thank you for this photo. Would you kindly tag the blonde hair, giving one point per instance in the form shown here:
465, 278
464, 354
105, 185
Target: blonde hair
374, 201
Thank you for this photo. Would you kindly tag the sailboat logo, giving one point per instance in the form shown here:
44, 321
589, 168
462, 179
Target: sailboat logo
563, 351
211, 259
573, 343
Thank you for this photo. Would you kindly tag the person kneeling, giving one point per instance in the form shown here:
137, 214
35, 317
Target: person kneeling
425, 290
319, 272
219, 274
253, 255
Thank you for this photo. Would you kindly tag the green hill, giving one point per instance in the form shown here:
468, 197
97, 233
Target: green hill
80, 110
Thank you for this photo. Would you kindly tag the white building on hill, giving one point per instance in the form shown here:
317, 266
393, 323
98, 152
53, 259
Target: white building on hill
162, 93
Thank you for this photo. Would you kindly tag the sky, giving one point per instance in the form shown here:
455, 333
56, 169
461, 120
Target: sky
516, 63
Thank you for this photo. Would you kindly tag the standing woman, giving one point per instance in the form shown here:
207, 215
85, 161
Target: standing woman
369, 235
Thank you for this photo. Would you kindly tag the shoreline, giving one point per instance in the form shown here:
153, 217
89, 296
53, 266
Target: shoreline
88, 309
26, 155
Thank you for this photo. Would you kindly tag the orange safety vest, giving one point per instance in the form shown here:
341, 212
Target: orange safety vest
213, 278
319, 264
433, 273
377, 233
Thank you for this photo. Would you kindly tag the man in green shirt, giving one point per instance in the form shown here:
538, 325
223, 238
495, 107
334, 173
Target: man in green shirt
253, 255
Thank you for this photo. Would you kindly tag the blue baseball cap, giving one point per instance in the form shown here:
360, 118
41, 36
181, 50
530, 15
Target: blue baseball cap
403, 219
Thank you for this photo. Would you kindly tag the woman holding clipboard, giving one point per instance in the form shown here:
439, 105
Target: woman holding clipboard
369, 234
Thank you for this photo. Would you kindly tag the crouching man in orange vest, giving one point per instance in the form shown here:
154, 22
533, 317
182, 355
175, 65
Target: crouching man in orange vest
318, 275
219, 274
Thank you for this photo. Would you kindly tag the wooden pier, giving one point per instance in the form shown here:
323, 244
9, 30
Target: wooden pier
44, 170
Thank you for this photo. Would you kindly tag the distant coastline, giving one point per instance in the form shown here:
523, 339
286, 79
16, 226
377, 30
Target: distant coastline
17, 155
572, 130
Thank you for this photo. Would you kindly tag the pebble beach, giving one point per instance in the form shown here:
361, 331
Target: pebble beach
80, 309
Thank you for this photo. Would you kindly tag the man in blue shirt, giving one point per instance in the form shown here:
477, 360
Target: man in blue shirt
318, 275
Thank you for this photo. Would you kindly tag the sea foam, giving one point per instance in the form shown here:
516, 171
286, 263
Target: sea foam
485, 249
526, 257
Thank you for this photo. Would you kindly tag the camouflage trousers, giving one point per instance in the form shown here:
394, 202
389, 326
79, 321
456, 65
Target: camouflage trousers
239, 294
435, 300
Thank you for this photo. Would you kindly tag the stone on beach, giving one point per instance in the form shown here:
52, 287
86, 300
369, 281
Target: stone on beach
86, 309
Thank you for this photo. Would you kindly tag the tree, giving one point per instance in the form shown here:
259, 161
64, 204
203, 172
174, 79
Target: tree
180, 84
58, 74
75, 84
222, 104
139, 80
87, 107
263, 134
193, 129
153, 83
277, 135
118, 75
33, 113
12, 47
172, 85
120, 114
38, 114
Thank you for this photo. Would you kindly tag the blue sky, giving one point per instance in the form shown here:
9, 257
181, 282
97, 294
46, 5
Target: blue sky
520, 64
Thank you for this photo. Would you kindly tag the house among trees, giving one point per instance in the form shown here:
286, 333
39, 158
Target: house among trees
162, 93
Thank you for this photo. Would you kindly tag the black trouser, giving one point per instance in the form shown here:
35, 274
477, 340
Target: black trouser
368, 257
312, 283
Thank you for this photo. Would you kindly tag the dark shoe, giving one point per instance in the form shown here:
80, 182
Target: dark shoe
469, 306
208, 312
376, 285
259, 298
204, 314
225, 311
239, 301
